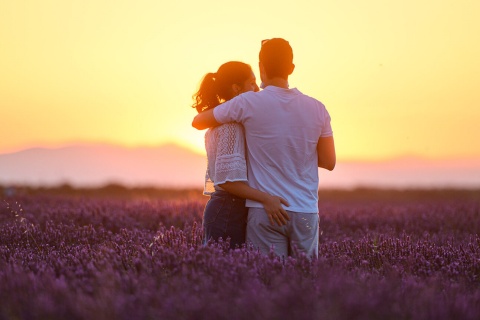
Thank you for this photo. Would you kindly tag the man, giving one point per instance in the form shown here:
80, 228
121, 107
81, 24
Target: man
288, 137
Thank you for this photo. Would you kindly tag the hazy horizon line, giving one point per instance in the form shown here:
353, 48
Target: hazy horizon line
86, 143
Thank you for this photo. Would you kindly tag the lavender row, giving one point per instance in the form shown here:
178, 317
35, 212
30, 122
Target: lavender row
85, 258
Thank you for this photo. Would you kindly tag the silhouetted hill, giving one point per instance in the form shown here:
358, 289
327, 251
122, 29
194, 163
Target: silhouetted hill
405, 172
167, 165
170, 166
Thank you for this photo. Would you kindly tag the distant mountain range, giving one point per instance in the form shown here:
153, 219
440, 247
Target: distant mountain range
178, 167
100, 164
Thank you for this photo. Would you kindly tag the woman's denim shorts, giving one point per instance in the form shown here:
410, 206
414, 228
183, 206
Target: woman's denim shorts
225, 217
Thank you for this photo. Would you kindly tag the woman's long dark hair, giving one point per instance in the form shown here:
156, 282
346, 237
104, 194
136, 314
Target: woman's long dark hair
216, 88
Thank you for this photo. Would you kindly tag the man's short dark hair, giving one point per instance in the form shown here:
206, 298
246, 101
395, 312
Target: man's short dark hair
276, 55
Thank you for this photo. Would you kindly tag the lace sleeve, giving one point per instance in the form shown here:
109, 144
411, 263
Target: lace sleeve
230, 163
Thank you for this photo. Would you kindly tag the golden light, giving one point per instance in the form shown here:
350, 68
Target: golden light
397, 78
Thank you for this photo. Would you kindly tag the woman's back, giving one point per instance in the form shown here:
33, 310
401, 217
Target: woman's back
226, 153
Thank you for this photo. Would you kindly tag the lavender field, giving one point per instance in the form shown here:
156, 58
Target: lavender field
117, 253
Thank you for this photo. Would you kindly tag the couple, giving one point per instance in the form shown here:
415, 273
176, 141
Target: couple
278, 136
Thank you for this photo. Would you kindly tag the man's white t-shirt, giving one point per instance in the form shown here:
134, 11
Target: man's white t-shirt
282, 128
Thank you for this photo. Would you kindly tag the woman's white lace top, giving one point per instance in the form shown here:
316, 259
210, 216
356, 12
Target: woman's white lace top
226, 158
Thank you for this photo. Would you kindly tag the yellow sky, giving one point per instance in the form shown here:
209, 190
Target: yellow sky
398, 77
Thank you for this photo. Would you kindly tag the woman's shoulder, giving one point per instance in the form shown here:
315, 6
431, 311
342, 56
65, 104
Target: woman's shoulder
228, 128
231, 131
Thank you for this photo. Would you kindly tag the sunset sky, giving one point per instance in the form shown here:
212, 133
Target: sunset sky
399, 78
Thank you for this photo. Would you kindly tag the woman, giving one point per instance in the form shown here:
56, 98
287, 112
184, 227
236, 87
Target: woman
225, 215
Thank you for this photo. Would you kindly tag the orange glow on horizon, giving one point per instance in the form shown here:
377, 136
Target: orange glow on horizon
397, 78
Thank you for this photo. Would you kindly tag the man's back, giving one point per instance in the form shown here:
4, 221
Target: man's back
282, 128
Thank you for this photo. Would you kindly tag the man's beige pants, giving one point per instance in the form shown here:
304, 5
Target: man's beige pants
299, 235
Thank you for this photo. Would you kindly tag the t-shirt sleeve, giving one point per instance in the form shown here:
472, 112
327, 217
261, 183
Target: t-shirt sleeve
231, 111
230, 163
327, 126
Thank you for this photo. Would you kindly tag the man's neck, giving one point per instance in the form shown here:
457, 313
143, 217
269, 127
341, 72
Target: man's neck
277, 82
